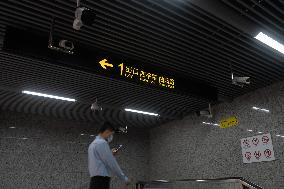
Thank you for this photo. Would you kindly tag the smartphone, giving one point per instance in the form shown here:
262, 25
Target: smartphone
120, 146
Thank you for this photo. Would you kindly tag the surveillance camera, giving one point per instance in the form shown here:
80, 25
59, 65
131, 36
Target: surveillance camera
96, 107
65, 44
240, 81
123, 130
77, 24
83, 16
204, 113
244, 80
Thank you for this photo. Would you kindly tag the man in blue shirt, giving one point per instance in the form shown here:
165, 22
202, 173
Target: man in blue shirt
101, 160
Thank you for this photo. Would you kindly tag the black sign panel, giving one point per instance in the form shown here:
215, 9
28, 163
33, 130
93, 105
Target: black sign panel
110, 64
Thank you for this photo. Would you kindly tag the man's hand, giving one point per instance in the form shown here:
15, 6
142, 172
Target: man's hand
114, 151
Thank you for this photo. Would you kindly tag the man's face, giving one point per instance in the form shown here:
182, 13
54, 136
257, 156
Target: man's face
107, 133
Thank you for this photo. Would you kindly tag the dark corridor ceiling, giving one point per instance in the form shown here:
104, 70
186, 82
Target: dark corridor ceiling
174, 35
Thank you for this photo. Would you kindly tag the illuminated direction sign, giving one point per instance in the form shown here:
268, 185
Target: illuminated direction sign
104, 64
31, 43
131, 70
133, 73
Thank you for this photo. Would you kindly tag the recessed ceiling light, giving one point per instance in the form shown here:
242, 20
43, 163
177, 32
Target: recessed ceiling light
12, 127
200, 180
270, 42
82, 134
260, 132
249, 130
282, 136
48, 96
92, 135
278, 135
24, 138
140, 112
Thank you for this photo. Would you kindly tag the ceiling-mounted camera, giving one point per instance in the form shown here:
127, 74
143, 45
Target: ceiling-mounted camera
205, 113
68, 45
122, 130
83, 16
240, 81
96, 107
64, 45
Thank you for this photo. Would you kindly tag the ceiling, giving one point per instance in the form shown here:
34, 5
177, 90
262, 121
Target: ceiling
174, 35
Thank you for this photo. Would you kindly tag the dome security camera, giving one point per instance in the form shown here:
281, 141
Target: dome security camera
96, 107
65, 44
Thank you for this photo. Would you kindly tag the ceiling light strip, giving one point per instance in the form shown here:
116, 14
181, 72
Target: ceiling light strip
270, 42
213, 124
260, 109
140, 112
48, 96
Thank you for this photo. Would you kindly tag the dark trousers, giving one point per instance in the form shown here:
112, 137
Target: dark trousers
99, 182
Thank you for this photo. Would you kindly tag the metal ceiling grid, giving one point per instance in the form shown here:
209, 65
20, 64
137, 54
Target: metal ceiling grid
174, 35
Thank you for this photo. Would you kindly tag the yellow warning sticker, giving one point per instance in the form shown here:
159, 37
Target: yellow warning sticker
229, 122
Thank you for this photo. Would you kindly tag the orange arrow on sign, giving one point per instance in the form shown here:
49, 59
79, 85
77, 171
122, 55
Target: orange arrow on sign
104, 64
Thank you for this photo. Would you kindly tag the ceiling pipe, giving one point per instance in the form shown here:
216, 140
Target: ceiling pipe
230, 16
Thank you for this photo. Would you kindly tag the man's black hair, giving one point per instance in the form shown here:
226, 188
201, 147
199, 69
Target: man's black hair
106, 126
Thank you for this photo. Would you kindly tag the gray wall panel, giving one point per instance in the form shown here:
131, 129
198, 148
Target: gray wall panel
188, 149
55, 154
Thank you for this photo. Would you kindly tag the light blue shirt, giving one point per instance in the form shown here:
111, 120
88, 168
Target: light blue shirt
101, 160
